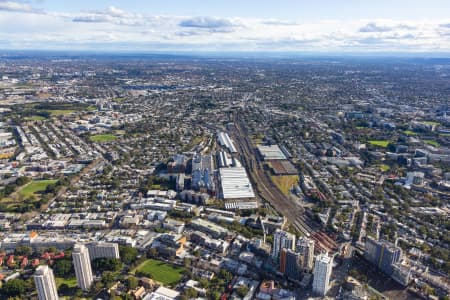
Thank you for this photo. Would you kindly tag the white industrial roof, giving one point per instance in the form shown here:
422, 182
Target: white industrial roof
271, 152
235, 183
225, 140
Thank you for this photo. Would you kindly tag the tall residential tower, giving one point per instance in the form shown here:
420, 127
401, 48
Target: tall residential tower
281, 240
383, 254
322, 274
45, 283
305, 247
82, 265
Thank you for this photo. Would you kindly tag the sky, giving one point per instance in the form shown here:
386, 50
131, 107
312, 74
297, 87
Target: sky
227, 25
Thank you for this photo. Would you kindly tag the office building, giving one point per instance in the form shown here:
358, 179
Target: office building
282, 239
305, 247
82, 265
103, 250
45, 283
382, 254
322, 274
290, 264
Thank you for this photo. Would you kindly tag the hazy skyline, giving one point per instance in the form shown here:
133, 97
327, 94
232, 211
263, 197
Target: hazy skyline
322, 26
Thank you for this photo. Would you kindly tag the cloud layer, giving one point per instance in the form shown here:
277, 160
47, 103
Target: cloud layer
26, 27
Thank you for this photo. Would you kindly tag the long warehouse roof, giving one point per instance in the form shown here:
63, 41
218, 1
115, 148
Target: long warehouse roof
235, 183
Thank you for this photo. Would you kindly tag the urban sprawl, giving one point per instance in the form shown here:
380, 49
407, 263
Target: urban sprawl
175, 177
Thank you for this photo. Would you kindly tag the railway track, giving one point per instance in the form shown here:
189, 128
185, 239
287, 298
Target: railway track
265, 188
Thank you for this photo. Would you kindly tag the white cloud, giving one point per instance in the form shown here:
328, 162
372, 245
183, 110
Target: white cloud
114, 28
14, 6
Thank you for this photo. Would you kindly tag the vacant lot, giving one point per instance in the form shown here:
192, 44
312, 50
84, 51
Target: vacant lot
285, 183
160, 271
34, 187
101, 138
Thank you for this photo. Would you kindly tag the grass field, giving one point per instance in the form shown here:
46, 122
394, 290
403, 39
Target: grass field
119, 99
160, 271
379, 143
35, 118
432, 143
409, 132
34, 187
431, 123
60, 112
71, 282
384, 167
285, 182
101, 138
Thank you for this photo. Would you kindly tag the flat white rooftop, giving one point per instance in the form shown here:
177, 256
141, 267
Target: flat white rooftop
271, 152
235, 183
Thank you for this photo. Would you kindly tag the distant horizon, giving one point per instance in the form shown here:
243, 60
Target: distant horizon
231, 54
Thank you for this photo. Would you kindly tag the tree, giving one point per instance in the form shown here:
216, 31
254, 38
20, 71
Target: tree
14, 287
187, 262
108, 278
106, 264
22, 180
242, 291
152, 253
196, 253
128, 297
64, 288
128, 254
224, 274
51, 249
213, 295
190, 293
23, 250
63, 268
132, 282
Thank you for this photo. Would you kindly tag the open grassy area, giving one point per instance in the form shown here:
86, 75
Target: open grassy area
160, 271
285, 182
432, 143
409, 132
431, 123
35, 118
379, 143
119, 99
34, 187
384, 167
101, 138
60, 112
71, 282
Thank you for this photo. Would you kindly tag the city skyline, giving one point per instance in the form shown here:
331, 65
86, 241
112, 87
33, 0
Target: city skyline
409, 27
